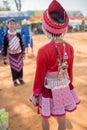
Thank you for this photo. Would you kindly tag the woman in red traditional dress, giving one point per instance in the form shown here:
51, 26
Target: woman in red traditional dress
53, 90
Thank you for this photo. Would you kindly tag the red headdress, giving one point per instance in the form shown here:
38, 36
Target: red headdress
52, 24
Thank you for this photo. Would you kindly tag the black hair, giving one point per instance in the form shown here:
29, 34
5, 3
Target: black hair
58, 17
12, 19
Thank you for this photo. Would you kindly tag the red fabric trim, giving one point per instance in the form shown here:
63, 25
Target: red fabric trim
38, 110
78, 103
58, 114
30, 100
71, 110
45, 116
52, 115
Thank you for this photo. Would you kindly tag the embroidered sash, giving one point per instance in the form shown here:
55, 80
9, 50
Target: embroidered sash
14, 46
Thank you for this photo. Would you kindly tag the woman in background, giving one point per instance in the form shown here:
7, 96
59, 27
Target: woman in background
14, 47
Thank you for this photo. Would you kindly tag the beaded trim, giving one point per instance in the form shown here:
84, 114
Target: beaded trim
52, 36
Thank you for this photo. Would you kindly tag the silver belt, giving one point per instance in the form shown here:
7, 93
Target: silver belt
16, 52
56, 87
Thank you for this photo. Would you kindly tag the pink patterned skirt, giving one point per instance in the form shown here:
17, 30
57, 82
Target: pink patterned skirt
55, 102
59, 102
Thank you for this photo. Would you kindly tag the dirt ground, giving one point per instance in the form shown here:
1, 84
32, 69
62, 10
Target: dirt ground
22, 114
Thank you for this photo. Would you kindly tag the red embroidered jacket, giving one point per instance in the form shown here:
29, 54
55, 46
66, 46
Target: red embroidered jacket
47, 62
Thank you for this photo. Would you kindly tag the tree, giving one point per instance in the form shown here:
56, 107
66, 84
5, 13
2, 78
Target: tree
18, 4
3, 9
6, 5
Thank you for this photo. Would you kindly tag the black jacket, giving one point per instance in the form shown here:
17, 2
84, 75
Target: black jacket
6, 44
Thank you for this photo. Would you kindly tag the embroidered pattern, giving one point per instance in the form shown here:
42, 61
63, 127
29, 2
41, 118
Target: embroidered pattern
14, 45
16, 62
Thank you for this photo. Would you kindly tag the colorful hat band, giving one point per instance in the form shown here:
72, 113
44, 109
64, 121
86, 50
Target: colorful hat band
55, 18
53, 30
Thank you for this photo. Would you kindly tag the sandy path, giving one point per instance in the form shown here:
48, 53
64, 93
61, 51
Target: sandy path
22, 114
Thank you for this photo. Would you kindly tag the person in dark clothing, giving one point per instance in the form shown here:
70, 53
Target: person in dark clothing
14, 47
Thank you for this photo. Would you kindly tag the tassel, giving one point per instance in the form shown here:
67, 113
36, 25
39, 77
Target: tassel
38, 110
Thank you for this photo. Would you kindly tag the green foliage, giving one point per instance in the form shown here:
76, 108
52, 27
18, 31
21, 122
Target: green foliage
5, 5
4, 9
85, 18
